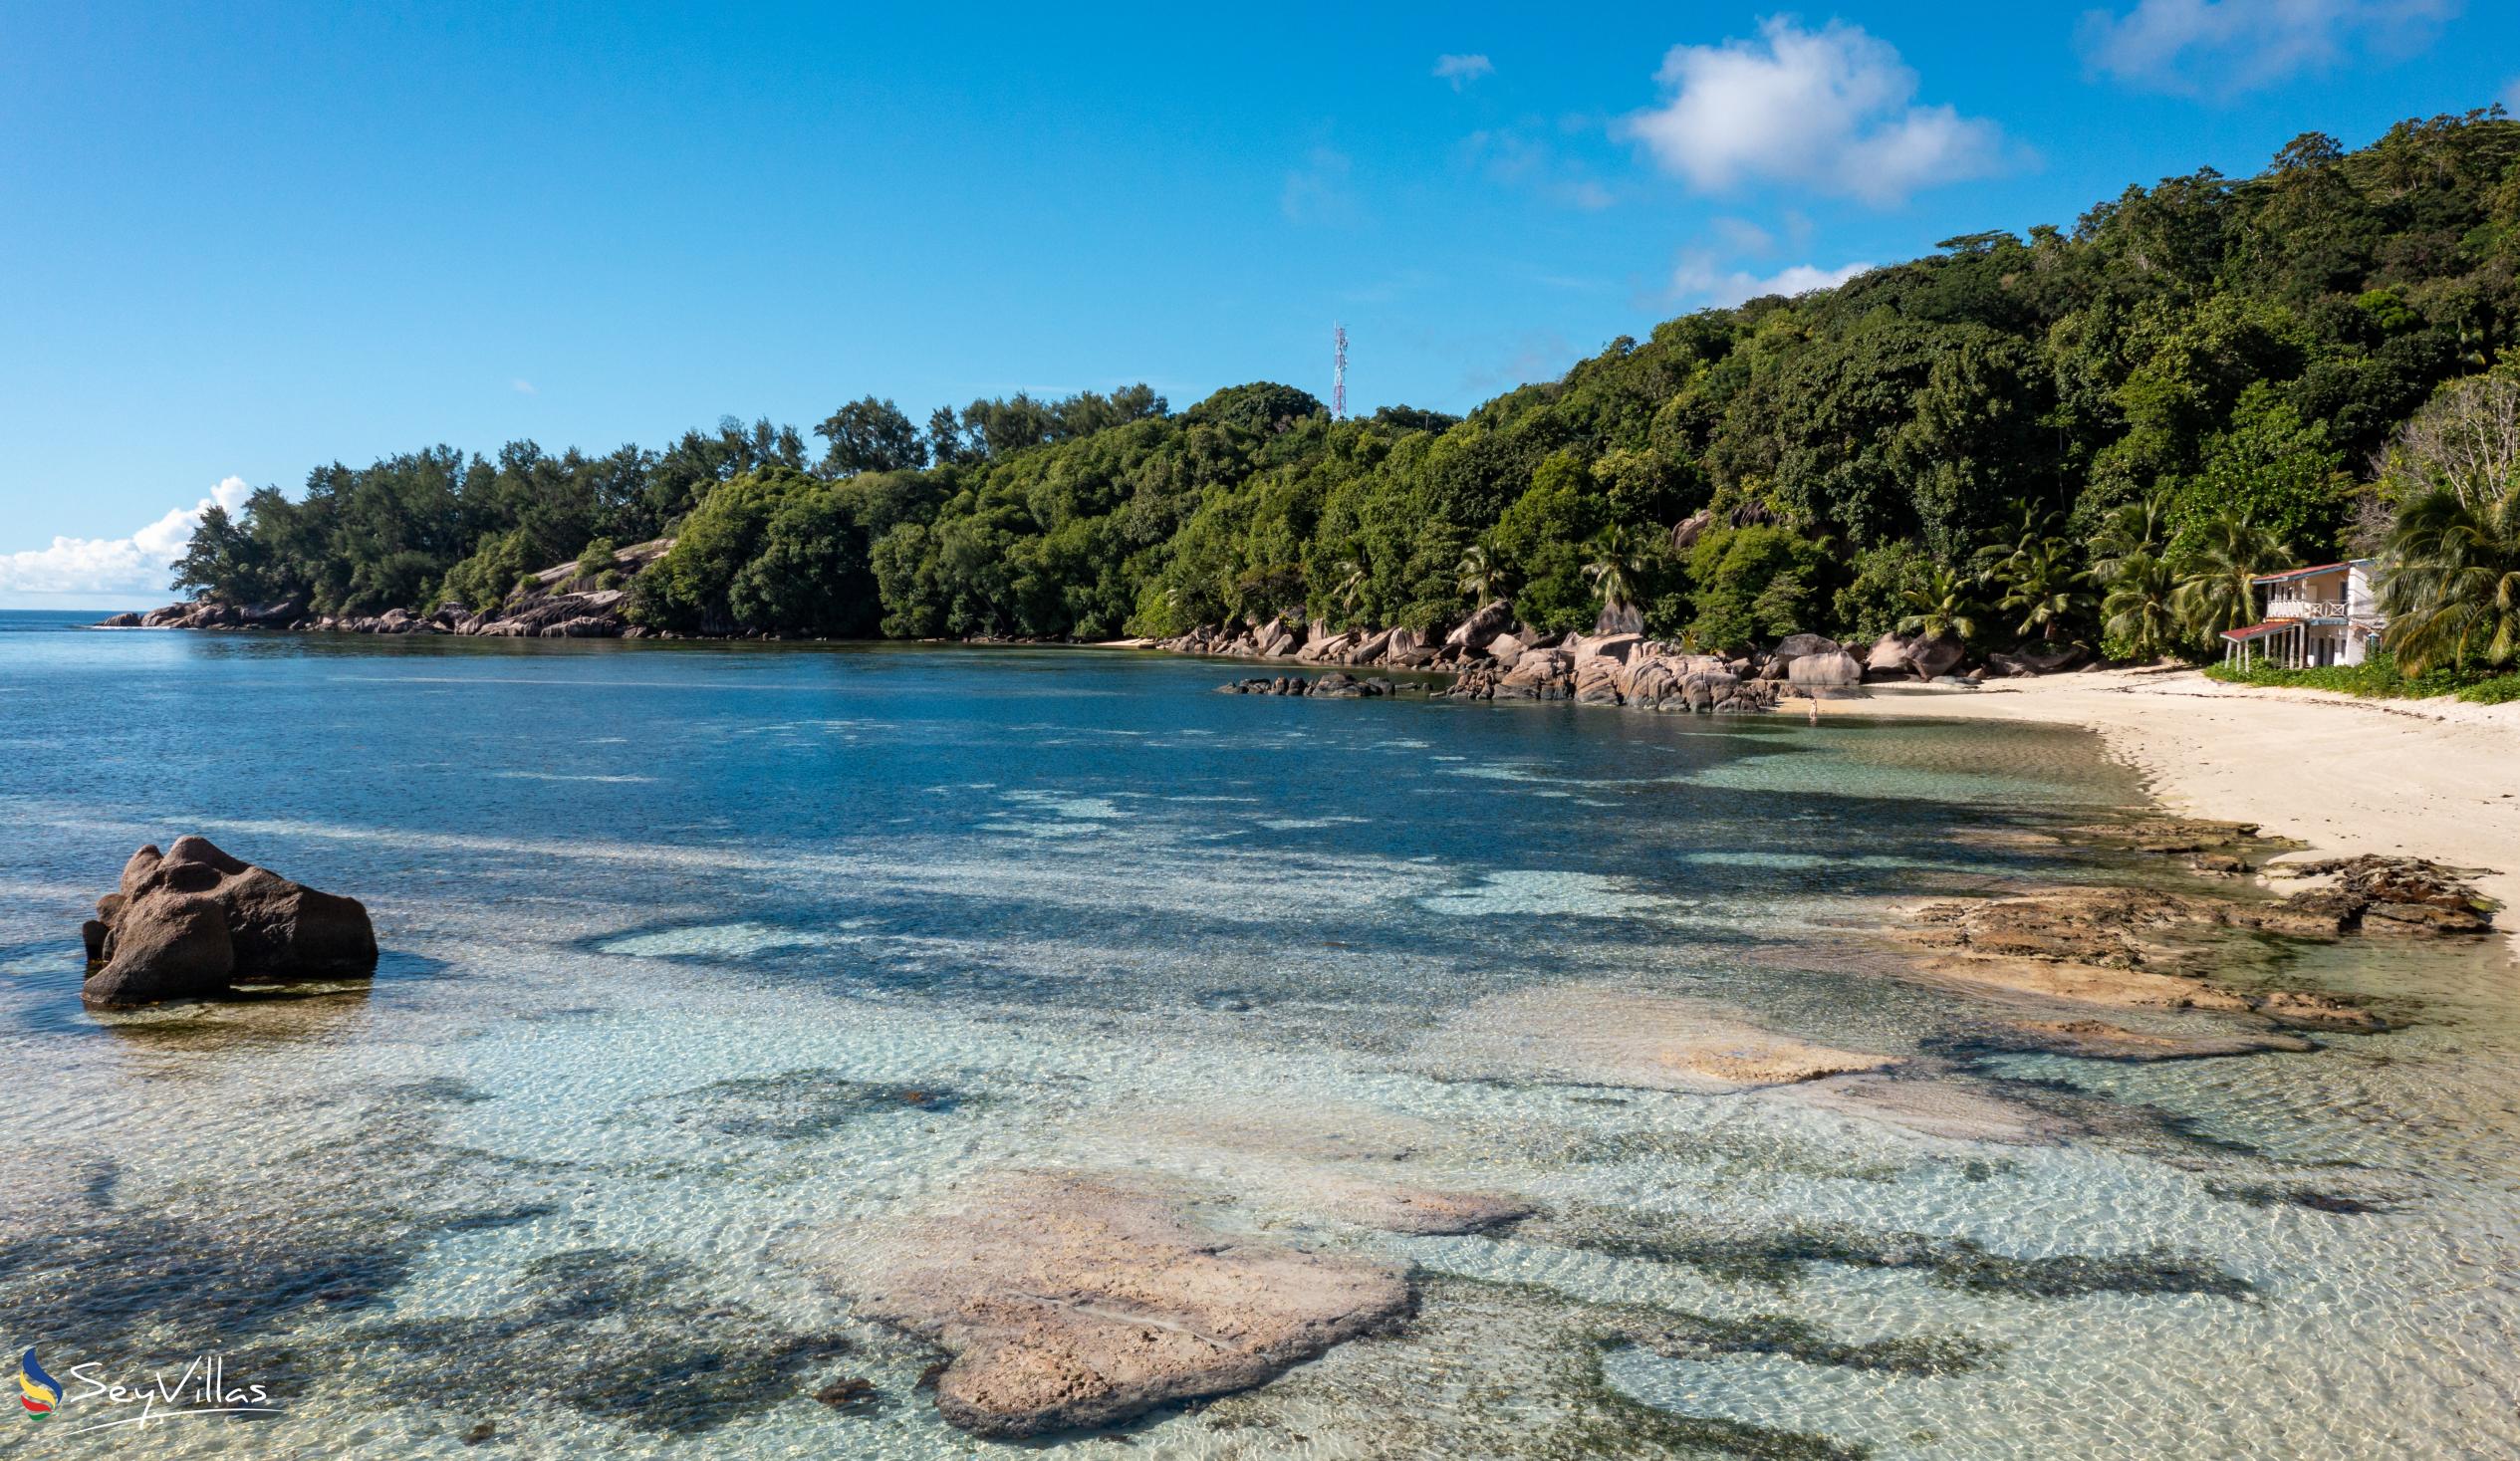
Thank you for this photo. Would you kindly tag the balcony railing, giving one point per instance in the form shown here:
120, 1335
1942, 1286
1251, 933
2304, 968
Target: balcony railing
2307, 608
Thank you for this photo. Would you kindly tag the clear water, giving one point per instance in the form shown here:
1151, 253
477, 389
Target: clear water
705, 961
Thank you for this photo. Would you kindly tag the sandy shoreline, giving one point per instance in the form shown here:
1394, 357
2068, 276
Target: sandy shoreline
2437, 779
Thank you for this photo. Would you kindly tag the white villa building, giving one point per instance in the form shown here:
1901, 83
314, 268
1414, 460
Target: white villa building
2327, 615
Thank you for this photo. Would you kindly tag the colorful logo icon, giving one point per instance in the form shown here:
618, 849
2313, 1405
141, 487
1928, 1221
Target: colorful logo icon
42, 1393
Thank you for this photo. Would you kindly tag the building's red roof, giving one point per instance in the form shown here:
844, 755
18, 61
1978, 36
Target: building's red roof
2303, 572
2254, 632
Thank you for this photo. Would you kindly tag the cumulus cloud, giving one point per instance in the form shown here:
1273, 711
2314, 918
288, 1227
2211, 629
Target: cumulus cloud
1831, 110
2231, 46
1463, 70
134, 564
1698, 277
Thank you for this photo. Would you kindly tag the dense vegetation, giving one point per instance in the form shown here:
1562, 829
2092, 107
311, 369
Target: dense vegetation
2089, 435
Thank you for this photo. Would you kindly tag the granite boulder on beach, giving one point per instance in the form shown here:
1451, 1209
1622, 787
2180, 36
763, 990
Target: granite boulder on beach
193, 923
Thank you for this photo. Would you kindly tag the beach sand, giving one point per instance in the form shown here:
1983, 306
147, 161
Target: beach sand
2436, 779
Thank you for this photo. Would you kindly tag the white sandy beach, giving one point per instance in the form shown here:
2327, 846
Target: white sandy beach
2436, 779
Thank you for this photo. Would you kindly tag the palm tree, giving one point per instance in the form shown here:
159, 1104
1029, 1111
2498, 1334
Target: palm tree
2136, 529
1354, 579
2040, 583
2035, 529
2139, 609
2044, 589
2452, 583
2217, 587
1944, 607
1617, 562
1482, 577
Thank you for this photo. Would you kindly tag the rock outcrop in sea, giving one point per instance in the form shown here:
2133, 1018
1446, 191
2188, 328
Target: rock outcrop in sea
195, 923
557, 604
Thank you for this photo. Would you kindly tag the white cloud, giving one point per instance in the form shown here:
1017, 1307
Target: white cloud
1831, 110
1463, 70
1697, 277
134, 564
523, 386
2231, 46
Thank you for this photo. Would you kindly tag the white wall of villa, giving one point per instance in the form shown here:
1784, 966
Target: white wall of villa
2319, 616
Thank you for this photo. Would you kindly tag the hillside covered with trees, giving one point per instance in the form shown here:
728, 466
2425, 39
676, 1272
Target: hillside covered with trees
2093, 434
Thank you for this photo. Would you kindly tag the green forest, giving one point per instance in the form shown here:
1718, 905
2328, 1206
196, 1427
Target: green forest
2092, 434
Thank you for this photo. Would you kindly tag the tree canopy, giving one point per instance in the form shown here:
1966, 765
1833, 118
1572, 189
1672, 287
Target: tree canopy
2234, 357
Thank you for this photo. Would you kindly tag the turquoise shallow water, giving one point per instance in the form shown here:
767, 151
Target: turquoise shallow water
704, 961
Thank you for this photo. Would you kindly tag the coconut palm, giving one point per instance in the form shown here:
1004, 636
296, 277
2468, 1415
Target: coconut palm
2139, 609
1353, 580
1943, 607
1617, 562
2043, 590
1481, 577
2035, 528
2451, 581
2217, 587
2136, 529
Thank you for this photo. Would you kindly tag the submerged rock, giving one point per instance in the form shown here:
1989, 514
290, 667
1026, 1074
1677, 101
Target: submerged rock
1069, 1302
1609, 1037
1949, 1109
2101, 1040
2120, 947
195, 923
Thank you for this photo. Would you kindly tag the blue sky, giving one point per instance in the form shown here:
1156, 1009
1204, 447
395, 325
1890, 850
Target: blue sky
242, 240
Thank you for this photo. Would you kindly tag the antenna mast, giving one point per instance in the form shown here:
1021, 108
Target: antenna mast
1338, 372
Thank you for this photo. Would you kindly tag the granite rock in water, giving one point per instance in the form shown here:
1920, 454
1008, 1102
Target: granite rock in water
2377, 895
193, 922
1070, 1302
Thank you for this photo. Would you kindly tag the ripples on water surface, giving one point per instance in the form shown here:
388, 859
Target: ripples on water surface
704, 957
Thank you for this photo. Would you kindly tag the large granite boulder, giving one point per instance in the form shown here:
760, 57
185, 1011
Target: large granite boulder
1322, 646
1492, 618
193, 922
1407, 649
1597, 680
1915, 654
1778, 663
2036, 659
1623, 618
1540, 674
1618, 648
1829, 671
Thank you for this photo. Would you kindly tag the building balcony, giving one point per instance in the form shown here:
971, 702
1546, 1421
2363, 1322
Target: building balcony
2309, 609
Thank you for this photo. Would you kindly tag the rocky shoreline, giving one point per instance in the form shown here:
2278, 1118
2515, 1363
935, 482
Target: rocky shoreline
1490, 654
561, 602
1494, 658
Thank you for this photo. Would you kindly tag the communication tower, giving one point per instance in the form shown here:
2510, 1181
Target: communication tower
1338, 372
